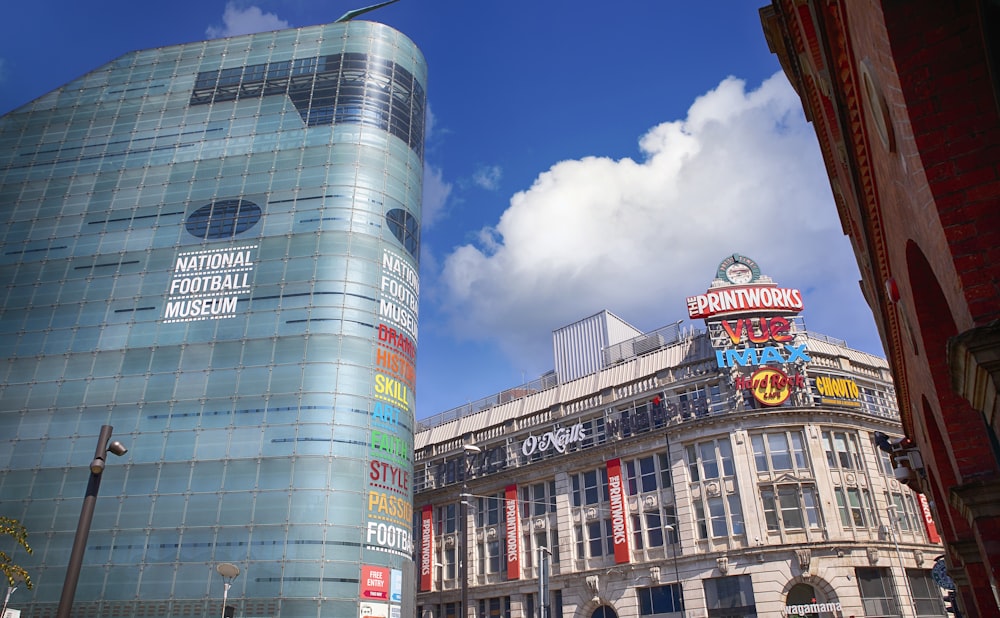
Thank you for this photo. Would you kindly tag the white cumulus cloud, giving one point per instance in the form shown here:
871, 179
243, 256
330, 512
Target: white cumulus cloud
487, 177
740, 174
238, 21
435, 195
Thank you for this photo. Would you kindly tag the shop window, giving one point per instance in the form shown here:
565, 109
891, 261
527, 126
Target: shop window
497, 607
877, 597
927, 598
659, 599
730, 597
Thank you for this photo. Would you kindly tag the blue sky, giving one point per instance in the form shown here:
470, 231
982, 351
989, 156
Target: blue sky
580, 157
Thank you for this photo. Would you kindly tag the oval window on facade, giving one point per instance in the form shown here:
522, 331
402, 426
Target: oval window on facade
404, 227
223, 219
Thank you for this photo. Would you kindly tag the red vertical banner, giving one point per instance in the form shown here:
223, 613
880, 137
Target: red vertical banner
513, 532
925, 512
619, 518
426, 547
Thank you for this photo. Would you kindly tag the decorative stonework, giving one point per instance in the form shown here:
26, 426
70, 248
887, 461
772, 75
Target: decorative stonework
974, 359
804, 557
723, 564
978, 499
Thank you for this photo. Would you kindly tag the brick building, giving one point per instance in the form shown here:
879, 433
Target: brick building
904, 100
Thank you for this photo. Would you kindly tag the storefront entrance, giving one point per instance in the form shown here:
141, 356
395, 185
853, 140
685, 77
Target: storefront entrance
803, 602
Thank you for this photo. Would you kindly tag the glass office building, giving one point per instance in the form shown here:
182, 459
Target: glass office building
213, 248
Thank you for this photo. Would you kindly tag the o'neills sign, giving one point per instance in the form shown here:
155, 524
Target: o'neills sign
557, 439
426, 546
619, 525
513, 533
742, 299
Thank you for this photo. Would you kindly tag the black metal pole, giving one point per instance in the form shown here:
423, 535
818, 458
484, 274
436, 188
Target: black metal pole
83, 529
463, 565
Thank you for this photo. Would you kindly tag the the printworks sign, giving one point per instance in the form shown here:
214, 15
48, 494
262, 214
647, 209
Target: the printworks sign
206, 284
749, 315
739, 288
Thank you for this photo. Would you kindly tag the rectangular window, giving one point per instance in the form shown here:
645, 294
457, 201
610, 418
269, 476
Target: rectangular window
497, 607
489, 510
842, 450
877, 597
659, 599
725, 516
646, 474
926, 594
854, 501
779, 451
730, 597
790, 507
538, 499
447, 521
590, 487
665, 477
711, 457
845, 514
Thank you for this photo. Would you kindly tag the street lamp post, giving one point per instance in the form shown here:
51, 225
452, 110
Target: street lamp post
10, 590
104, 445
463, 563
229, 572
894, 518
673, 555
543, 582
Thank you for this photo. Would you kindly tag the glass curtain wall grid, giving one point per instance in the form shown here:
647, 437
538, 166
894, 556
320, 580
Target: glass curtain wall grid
213, 247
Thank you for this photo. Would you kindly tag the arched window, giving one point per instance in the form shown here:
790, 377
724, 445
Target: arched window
604, 611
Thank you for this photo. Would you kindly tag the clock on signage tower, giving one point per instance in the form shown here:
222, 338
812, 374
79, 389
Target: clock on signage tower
739, 273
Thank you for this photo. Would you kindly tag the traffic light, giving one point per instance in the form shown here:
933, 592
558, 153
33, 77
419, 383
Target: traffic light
951, 604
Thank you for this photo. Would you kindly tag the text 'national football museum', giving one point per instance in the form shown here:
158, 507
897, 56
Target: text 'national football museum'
212, 248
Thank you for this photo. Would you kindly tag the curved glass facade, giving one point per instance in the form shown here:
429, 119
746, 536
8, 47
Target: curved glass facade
213, 248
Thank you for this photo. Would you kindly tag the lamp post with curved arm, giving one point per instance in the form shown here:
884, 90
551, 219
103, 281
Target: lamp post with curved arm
463, 558
104, 446
229, 572
673, 554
